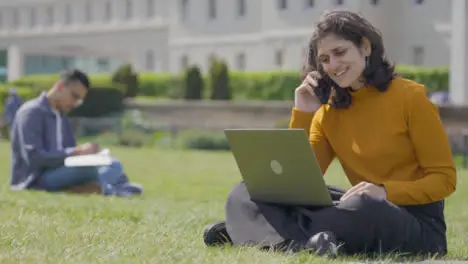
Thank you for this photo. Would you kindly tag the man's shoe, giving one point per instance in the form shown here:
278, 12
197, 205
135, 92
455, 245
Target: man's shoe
216, 235
128, 189
324, 244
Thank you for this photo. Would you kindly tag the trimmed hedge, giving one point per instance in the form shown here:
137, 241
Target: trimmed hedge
243, 85
161, 85
125, 75
274, 85
219, 80
46, 81
193, 84
208, 142
435, 79
104, 97
100, 101
24, 92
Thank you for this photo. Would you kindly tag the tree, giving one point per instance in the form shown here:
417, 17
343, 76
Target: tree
125, 75
194, 84
219, 76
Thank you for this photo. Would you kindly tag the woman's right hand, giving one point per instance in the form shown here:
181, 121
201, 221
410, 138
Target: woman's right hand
305, 99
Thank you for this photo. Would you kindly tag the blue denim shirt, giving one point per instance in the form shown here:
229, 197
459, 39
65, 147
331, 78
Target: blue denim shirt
34, 144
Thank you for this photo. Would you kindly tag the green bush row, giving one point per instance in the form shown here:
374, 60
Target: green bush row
207, 142
103, 99
271, 85
243, 85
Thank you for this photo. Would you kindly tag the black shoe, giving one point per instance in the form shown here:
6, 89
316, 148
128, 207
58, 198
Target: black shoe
216, 235
324, 244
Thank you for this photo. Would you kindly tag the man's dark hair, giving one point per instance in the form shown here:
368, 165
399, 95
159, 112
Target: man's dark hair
75, 75
353, 27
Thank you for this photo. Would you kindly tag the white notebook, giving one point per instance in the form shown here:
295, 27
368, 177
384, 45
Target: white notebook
102, 158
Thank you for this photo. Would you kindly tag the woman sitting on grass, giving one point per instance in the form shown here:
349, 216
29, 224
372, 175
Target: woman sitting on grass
389, 139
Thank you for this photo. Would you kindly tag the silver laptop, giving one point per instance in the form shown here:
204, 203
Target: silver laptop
279, 166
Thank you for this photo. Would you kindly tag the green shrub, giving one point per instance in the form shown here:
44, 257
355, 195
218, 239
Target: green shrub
136, 139
272, 85
104, 97
161, 85
194, 84
264, 85
219, 79
99, 102
207, 142
42, 82
129, 138
46, 81
435, 79
124, 75
176, 90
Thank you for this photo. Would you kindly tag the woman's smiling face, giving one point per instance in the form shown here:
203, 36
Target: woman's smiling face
342, 60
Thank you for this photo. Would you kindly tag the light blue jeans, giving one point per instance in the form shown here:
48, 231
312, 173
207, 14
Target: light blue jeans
66, 177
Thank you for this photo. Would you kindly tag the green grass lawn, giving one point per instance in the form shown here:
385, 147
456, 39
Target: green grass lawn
184, 191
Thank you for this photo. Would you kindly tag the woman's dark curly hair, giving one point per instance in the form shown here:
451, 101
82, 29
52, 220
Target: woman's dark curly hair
350, 26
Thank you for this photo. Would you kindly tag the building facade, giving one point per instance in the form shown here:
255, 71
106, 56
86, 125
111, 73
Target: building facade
41, 36
273, 34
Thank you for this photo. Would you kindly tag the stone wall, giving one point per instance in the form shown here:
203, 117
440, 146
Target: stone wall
84, 126
219, 115
209, 115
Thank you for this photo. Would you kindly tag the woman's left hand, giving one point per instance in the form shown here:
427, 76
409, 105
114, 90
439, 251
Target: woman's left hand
365, 188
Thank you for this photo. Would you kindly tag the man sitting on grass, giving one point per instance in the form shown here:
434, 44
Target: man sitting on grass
41, 139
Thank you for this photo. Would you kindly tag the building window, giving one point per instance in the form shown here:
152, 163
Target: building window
279, 58
282, 4
309, 3
108, 11
32, 17
68, 14
149, 60
66, 62
240, 62
184, 62
150, 8
103, 65
128, 9
339, 2
211, 60
88, 12
49, 16
418, 55
241, 7
212, 8
184, 8
44, 61
15, 18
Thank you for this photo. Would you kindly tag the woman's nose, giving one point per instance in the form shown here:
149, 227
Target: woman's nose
334, 64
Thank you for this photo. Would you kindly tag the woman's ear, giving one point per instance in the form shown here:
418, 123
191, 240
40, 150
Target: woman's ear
366, 47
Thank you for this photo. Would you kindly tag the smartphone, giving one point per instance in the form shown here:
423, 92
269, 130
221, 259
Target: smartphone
324, 88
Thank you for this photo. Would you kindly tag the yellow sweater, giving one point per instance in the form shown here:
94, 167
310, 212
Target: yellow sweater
394, 139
